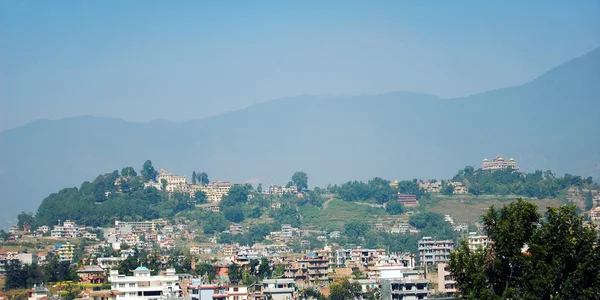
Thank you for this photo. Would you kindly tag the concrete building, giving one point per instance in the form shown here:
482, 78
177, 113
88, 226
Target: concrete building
432, 252
475, 241
446, 282
135, 226
279, 289
143, 285
405, 288
215, 191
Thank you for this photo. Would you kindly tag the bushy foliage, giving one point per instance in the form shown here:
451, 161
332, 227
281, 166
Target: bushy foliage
554, 258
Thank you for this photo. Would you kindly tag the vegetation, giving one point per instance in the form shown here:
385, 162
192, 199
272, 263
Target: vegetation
377, 190
300, 180
26, 275
560, 260
509, 182
102, 201
394, 208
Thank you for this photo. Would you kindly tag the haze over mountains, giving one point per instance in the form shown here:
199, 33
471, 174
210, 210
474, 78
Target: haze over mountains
552, 122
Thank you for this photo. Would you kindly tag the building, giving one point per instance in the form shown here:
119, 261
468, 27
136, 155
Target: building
278, 289
170, 178
38, 292
459, 188
446, 282
431, 186
143, 285
475, 241
405, 288
432, 252
91, 274
408, 200
499, 163
109, 262
215, 191
135, 226
64, 251
235, 228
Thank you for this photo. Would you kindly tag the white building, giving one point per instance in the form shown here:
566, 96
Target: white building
475, 241
279, 289
142, 285
432, 252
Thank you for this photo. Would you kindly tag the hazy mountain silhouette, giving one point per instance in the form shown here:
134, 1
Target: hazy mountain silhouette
552, 122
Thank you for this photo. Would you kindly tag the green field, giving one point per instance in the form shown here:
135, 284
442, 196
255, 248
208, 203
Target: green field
338, 212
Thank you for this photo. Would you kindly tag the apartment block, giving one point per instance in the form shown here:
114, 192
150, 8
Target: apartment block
432, 252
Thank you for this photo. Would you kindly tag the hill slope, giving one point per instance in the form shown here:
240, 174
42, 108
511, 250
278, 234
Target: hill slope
550, 123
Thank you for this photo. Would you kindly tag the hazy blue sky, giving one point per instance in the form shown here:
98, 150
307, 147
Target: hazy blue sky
178, 60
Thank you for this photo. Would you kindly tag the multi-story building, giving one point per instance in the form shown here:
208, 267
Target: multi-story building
310, 270
65, 251
459, 188
475, 241
235, 228
499, 163
280, 190
136, 226
170, 178
446, 282
405, 288
110, 262
143, 285
278, 289
215, 191
68, 229
432, 252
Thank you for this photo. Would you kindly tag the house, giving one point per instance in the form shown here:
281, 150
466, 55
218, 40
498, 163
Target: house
475, 241
278, 289
38, 292
405, 288
91, 274
143, 285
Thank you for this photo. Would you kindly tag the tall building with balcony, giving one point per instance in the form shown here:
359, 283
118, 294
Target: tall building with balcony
279, 289
499, 163
446, 282
143, 285
432, 252
475, 241
405, 288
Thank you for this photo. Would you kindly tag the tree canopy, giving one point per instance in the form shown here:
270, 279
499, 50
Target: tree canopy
300, 179
552, 258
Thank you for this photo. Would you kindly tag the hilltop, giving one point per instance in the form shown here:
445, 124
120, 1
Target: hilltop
549, 123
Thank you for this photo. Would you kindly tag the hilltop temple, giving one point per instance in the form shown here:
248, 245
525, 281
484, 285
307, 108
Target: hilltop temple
499, 163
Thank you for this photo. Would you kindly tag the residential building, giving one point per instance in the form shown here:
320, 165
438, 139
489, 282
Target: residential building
279, 289
143, 285
405, 288
431, 186
459, 188
403, 227
136, 226
65, 251
432, 252
110, 262
199, 291
215, 191
170, 178
446, 282
499, 163
91, 274
235, 228
27, 258
38, 292
475, 241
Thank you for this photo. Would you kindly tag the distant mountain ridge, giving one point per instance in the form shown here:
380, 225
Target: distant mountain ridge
551, 122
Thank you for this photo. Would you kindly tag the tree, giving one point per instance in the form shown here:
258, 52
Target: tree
26, 219
345, 290
264, 269
148, 171
200, 197
394, 208
163, 184
356, 229
233, 214
203, 178
448, 189
589, 200
560, 260
206, 269
300, 179
128, 172
234, 273
259, 188
194, 177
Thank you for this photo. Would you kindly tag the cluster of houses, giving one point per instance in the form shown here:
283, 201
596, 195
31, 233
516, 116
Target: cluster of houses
434, 186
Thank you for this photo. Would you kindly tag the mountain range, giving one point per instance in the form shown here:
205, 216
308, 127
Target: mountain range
552, 122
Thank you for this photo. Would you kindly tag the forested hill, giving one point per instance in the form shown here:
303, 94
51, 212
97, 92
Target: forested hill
549, 123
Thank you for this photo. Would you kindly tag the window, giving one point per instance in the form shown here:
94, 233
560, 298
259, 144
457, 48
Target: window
121, 285
132, 284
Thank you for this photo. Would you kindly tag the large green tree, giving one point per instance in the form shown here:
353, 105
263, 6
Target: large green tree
148, 171
555, 258
300, 180
128, 172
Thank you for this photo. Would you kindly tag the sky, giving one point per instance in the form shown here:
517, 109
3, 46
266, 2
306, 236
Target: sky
182, 60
